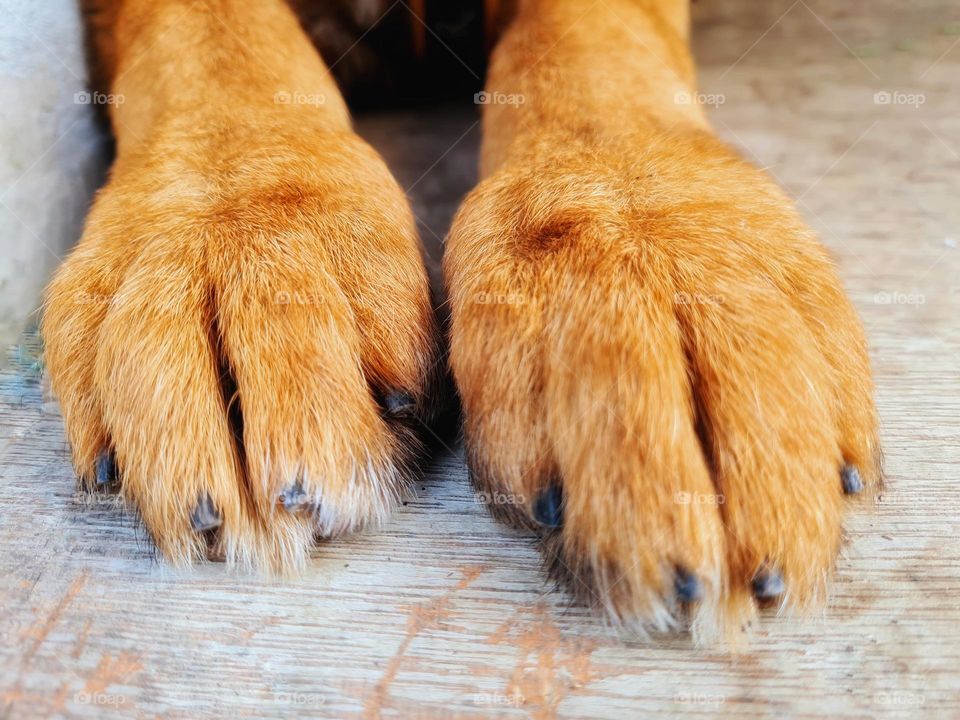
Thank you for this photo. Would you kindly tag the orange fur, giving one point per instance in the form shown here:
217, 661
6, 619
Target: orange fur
638, 316
666, 339
242, 236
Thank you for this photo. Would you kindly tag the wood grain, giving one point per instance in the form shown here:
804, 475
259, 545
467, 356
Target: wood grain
444, 613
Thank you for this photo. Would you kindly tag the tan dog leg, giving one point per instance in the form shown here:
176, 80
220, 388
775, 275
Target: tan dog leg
250, 257
657, 362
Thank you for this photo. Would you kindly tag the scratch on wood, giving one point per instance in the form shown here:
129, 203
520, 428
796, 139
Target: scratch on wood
81, 640
420, 617
110, 671
538, 684
40, 633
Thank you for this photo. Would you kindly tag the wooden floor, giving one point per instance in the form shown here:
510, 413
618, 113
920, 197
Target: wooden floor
446, 614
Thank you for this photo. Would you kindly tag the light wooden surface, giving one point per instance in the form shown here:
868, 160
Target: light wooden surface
444, 613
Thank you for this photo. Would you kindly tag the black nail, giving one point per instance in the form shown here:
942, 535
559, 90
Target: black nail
852, 484
106, 469
548, 508
295, 498
687, 587
768, 585
398, 405
205, 515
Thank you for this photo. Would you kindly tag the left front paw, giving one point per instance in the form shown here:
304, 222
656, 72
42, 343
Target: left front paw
658, 364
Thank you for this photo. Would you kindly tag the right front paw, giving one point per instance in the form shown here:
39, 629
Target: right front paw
244, 351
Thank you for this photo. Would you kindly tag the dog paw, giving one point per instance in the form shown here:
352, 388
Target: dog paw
242, 340
660, 372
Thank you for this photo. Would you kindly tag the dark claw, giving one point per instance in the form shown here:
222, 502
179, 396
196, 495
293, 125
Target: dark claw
768, 585
106, 469
398, 405
687, 586
548, 508
205, 515
295, 498
852, 484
